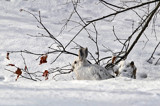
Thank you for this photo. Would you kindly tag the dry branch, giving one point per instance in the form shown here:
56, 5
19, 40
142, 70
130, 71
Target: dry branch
121, 11
153, 53
143, 29
104, 2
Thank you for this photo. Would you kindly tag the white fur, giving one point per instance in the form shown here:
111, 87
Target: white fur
125, 69
86, 71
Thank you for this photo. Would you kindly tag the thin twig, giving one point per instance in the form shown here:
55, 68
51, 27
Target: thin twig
153, 52
21, 75
111, 4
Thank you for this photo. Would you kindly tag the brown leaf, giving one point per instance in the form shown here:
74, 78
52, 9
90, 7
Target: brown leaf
10, 65
18, 72
25, 68
46, 74
43, 59
113, 59
7, 56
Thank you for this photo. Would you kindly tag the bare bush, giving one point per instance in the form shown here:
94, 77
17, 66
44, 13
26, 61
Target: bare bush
89, 26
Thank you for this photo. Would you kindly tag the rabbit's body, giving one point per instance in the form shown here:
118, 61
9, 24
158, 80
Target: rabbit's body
92, 72
86, 71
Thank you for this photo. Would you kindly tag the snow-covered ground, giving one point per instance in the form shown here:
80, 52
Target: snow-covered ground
14, 27
115, 92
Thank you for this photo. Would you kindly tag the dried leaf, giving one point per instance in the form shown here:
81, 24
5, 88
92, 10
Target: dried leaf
7, 56
18, 72
25, 68
10, 65
113, 59
46, 74
43, 59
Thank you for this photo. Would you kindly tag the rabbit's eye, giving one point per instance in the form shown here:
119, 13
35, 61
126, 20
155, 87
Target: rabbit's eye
124, 70
75, 62
127, 65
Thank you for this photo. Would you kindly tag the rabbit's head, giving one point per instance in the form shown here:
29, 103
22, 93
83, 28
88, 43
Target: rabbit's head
128, 69
81, 61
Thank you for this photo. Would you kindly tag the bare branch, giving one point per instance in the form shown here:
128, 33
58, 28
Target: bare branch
21, 75
111, 4
26, 68
40, 22
121, 11
153, 52
157, 61
143, 29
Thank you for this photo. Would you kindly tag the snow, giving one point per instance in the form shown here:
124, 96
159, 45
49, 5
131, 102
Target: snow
119, 91
14, 27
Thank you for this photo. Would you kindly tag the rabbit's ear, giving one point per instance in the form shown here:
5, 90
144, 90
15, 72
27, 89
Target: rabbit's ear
86, 52
132, 63
81, 54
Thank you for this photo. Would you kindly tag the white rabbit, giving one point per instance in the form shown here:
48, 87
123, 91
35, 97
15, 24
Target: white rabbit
86, 71
126, 69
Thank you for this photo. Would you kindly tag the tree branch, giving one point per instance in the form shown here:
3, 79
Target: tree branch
121, 11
